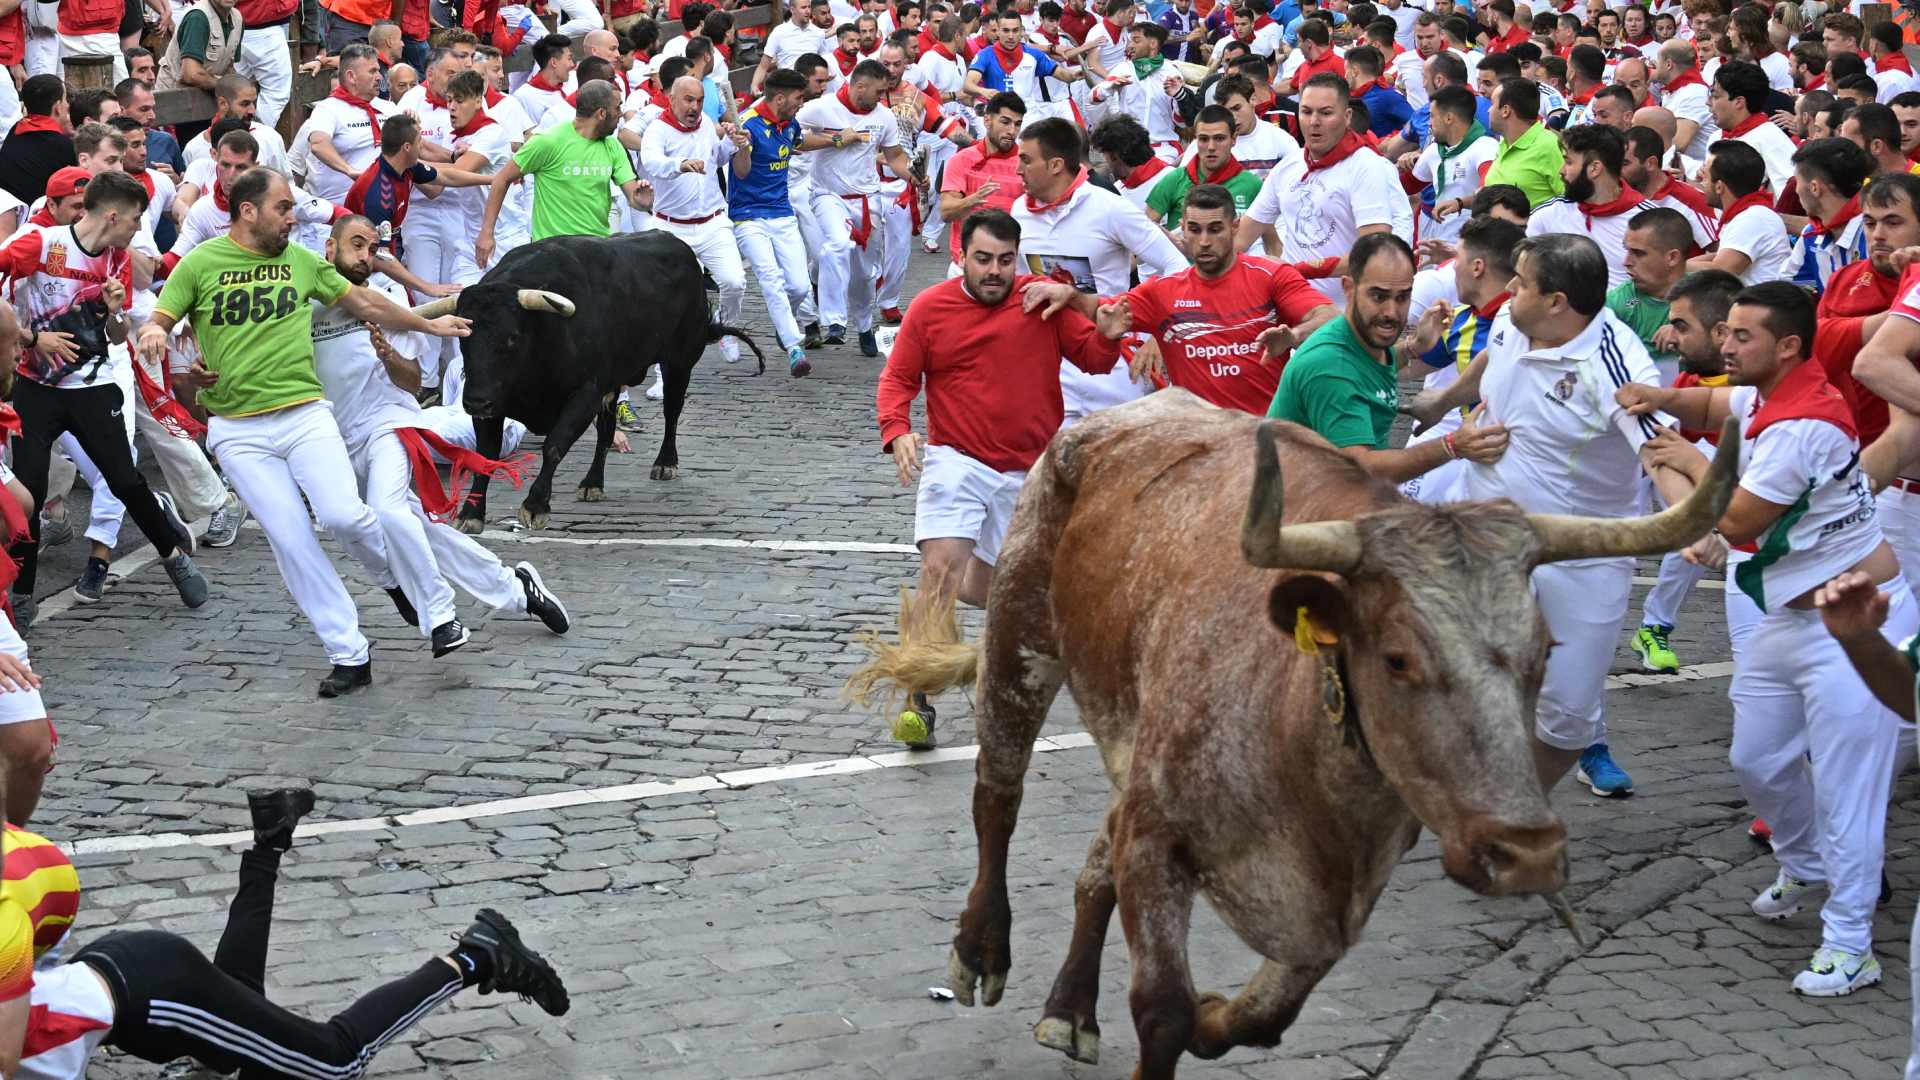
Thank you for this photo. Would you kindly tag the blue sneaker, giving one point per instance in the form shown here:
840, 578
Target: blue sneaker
797, 364
1601, 775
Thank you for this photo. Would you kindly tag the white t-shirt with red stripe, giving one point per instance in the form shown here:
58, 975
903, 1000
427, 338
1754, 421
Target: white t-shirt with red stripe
52, 274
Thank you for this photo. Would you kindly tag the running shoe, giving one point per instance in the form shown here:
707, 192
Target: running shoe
93, 582
798, 365
25, 607
813, 340
276, 813
1656, 654
930, 246
448, 637
1760, 831
914, 725
516, 969
54, 531
730, 350
1785, 897
187, 580
344, 679
891, 316
836, 334
187, 543
624, 417
1601, 775
869, 343
541, 604
224, 527
1834, 972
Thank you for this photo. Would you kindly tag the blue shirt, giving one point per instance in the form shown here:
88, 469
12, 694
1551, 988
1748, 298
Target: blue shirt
164, 149
1285, 11
1291, 31
714, 101
992, 78
1419, 129
762, 193
1387, 110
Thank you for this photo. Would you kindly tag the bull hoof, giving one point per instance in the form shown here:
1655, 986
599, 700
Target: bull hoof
472, 526
1210, 1039
1081, 1042
665, 472
962, 979
592, 494
533, 520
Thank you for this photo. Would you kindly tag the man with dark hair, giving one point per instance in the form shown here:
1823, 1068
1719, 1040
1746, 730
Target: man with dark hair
1738, 101
761, 210
1874, 128
235, 96
1387, 108
1529, 157
343, 131
1258, 143
1316, 56
1643, 173
1656, 243
988, 172
1612, 106
1598, 203
1461, 152
1436, 73
1753, 241
993, 402
1334, 192
1013, 65
384, 189
544, 95
577, 166
1213, 163
39, 144
1586, 74
163, 150
1828, 175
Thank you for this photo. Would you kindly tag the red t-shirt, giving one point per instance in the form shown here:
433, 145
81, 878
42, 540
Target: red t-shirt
1856, 291
969, 170
1077, 24
1330, 62
1209, 330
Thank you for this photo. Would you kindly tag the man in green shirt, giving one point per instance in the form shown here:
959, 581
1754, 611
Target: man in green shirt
1529, 157
577, 166
1213, 159
247, 293
1657, 244
1344, 380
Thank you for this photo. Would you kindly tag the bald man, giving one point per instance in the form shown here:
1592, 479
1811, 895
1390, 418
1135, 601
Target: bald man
1667, 126
605, 44
682, 154
401, 78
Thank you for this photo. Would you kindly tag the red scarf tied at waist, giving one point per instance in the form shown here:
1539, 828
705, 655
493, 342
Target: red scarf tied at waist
442, 503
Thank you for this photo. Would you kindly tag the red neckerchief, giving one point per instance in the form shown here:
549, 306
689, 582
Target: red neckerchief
1643, 39
572, 99
939, 50
726, 51
1685, 194
1221, 175
43, 217
1384, 83
845, 59
1758, 198
1751, 122
1342, 150
220, 199
673, 121
435, 101
1008, 64
340, 94
493, 97
1492, 308
1847, 213
1815, 83
1052, 36
847, 100
1893, 62
29, 124
1143, 173
146, 181
1583, 99
1620, 204
479, 120
1803, 394
539, 82
1040, 208
1113, 29
659, 98
927, 40
1248, 40
1689, 77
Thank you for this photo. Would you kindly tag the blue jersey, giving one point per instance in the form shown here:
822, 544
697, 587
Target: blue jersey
762, 193
1465, 336
1819, 253
1387, 110
994, 77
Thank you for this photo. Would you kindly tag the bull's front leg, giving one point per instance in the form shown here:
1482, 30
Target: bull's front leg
488, 431
572, 422
1156, 909
675, 375
1068, 1024
593, 487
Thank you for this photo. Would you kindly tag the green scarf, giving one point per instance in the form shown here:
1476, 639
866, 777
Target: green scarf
1475, 133
1144, 69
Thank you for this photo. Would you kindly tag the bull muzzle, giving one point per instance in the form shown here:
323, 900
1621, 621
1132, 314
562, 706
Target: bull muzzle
1267, 542
1499, 859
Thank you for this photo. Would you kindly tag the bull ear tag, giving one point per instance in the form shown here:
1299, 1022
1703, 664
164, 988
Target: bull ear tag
1308, 637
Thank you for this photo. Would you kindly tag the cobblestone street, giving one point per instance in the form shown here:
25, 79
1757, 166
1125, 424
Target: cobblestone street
740, 875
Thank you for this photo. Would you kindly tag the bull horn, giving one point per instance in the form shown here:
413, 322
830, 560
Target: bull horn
542, 300
1271, 545
1564, 537
433, 309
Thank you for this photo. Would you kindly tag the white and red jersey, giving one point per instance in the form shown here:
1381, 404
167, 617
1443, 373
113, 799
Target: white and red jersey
71, 1014
434, 114
56, 284
1605, 223
1319, 206
1209, 329
849, 170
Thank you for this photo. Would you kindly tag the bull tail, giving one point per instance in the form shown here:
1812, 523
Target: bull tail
926, 656
718, 330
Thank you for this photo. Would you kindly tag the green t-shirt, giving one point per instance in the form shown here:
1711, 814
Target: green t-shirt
1531, 163
195, 32
1336, 387
574, 181
1644, 314
1169, 196
254, 322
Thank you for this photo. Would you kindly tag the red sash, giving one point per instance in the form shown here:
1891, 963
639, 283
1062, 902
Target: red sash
442, 503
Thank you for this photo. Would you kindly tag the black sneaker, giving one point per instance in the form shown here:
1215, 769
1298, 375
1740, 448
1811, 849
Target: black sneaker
344, 679
869, 343
449, 636
25, 607
404, 606
541, 604
836, 335
276, 813
516, 968
813, 340
93, 582
186, 542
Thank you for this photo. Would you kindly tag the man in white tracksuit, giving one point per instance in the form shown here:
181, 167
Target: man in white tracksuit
682, 154
378, 418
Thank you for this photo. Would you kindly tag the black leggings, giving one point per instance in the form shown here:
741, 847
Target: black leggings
170, 1002
93, 415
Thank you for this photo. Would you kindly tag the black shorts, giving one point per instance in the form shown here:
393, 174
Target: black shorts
134, 19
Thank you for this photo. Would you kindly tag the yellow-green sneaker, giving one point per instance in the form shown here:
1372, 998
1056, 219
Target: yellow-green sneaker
914, 725
1656, 654
623, 417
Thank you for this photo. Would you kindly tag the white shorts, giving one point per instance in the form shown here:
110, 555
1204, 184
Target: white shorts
17, 706
962, 499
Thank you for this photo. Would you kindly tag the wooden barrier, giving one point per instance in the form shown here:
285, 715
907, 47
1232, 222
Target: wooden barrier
88, 72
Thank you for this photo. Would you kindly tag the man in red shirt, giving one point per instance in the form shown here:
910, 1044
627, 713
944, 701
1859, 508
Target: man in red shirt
986, 173
1223, 325
991, 370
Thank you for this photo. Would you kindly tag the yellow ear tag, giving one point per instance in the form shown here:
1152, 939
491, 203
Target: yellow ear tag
1308, 637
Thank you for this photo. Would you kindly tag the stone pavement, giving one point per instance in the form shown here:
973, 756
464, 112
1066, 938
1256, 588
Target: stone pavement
752, 925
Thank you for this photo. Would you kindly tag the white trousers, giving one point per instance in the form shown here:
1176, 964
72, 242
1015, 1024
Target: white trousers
1677, 579
1814, 753
1899, 514
264, 58
427, 554
275, 458
434, 242
712, 242
43, 53
898, 248
801, 197
104, 512
1584, 604
95, 45
197, 490
848, 272
778, 255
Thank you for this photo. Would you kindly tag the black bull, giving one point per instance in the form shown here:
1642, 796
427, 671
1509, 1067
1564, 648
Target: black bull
559, 326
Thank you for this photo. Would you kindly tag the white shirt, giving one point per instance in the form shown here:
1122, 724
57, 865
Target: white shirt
1892, 82
1760, 235
354, 138
1813, 467
511, 115
365, 400
1112, 53
544, 108
493, 143
1610, 232
684, 195
851, 169
940, 74
1090, 240
1434, 285
1319, 214
273, 151
158, 203
1776, 148
788, 42
1408, 72
1464, 171
1574, 449
1779, 72
436, 121
1690, 103
206, 219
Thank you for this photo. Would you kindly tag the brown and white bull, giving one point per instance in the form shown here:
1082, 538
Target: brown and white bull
1283, 784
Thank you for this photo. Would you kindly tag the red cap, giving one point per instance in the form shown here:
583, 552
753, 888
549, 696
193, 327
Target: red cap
68, 181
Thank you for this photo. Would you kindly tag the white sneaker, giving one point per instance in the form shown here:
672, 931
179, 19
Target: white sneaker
1833, 972
658, 390
730, 349
1785, 897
